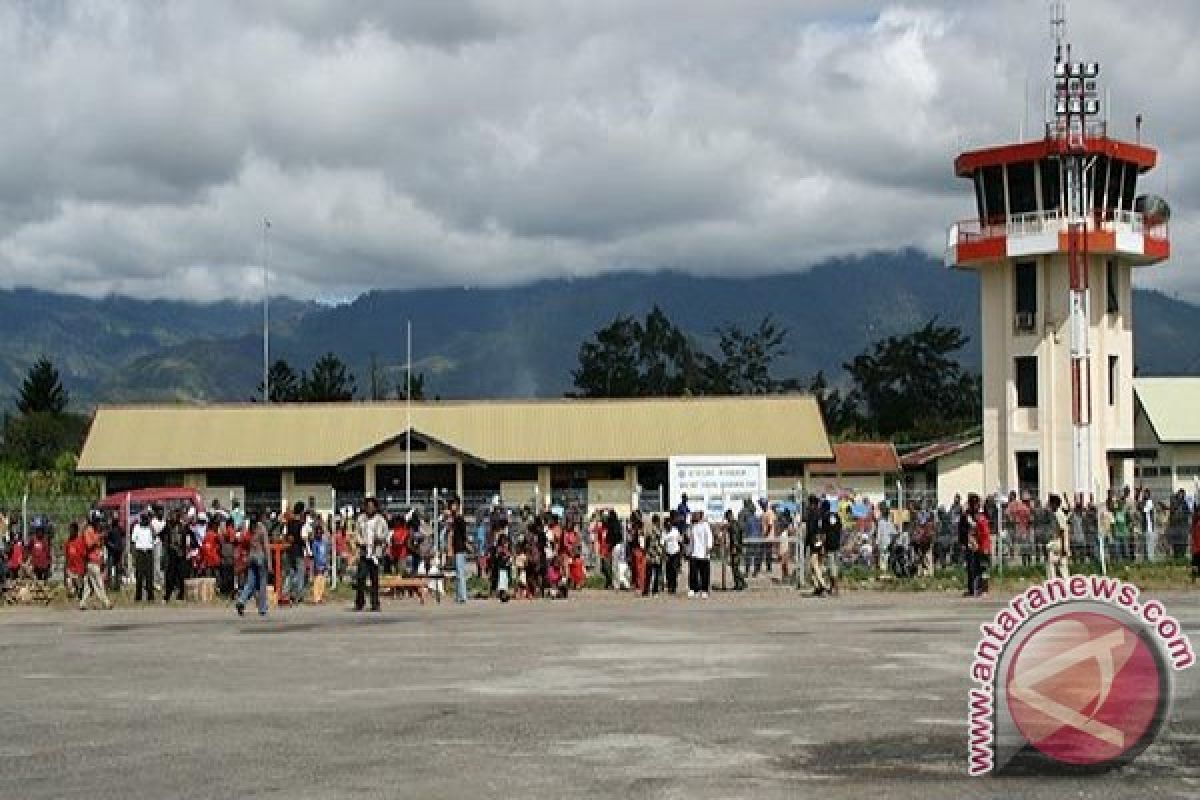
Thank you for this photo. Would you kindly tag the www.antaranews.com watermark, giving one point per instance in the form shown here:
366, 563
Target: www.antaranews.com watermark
1074, 674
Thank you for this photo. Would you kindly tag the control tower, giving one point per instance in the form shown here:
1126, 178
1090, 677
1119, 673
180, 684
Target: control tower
1060, 227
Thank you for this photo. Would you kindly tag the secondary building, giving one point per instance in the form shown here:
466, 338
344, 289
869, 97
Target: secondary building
1167, 433
935, 473
593, 453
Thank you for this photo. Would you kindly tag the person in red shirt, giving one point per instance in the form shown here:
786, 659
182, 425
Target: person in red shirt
983, 553
398, 546
210, 550
1196, 542
16, 556
76, 561
94, 578
40, 557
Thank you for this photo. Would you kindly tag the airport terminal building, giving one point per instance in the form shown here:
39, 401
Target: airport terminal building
594, 453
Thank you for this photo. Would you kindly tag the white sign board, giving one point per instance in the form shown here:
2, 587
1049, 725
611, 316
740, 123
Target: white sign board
716, 483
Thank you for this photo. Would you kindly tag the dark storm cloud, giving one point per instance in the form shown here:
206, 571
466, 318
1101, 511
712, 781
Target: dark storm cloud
442, 143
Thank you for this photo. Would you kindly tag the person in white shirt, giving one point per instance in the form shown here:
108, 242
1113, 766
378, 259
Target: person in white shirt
672, 547
698, 564
373, 531
158, 524
143, 538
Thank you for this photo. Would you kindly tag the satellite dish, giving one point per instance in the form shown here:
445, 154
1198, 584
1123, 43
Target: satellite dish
1153, 208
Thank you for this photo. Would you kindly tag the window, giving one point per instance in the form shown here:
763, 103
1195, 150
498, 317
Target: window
1025, 278
1189, 471
1028, 477
993, 194
1112, 286
1022, 193
1051, 187
1112, 380
1027, 381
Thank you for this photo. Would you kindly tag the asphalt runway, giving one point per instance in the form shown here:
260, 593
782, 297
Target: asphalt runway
763, 694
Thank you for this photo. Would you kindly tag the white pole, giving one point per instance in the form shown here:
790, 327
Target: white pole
408, 421
25, 516
266, 366
331, 545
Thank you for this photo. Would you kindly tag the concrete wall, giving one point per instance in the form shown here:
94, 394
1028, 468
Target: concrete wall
1048, 429
960, 473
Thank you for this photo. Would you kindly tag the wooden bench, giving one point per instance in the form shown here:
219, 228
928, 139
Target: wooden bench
394, 584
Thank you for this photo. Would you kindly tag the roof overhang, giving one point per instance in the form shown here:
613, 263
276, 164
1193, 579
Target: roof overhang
392, 441
966, 164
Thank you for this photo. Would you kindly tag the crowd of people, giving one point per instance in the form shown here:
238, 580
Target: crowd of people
523, 553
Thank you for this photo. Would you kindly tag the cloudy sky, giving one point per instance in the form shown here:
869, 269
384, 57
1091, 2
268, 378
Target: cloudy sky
434, 142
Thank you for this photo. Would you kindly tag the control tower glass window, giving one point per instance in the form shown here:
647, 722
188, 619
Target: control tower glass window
1022, 193
993, 195
1051, 184
1027, 381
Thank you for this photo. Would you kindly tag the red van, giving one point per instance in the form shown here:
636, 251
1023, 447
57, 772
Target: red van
129, 505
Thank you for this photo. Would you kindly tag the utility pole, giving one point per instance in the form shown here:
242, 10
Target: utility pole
266, 365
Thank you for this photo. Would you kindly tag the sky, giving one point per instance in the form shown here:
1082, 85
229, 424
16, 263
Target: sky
487, 142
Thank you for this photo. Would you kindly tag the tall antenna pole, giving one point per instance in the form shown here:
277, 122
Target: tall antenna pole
266, 365
408, 423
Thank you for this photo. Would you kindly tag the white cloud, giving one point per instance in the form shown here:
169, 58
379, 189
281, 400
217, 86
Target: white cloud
445, 143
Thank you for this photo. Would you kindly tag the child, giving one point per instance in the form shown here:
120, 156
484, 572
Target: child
502, 558
553, 576
621, 566
578, 572
522, 584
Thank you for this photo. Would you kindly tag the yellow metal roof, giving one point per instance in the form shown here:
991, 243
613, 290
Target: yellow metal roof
1171, 405
243, 436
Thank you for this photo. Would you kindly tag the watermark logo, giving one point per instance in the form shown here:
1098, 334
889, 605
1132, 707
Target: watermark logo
1073, 675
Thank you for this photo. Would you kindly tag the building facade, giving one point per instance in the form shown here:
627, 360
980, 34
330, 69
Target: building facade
589, 453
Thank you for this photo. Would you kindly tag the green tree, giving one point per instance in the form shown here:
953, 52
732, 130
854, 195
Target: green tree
42, 390
911, 386
747, 357
650, 358
608, 363
38, 440
418, 386
285, 383
329, 382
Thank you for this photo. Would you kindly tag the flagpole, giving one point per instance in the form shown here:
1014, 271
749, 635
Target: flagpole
408, 420
266, 365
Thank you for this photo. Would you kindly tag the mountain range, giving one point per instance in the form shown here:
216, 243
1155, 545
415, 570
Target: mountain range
518, 341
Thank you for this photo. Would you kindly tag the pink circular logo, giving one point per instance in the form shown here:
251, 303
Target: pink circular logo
1085, 688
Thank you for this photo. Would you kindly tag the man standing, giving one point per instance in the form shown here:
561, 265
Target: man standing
93, 583
831, 534
373, 536
458, 548
256, 570
143, 559
1058, 551
294, 539
814, 543
672, 540
699, 550
733, 537
175, 547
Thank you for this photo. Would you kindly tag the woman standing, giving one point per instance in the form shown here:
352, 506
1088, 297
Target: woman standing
256, 570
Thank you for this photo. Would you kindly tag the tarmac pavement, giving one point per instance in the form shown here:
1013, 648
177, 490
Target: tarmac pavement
765, 694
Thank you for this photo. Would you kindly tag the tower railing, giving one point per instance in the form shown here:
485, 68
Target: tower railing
1037, 222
